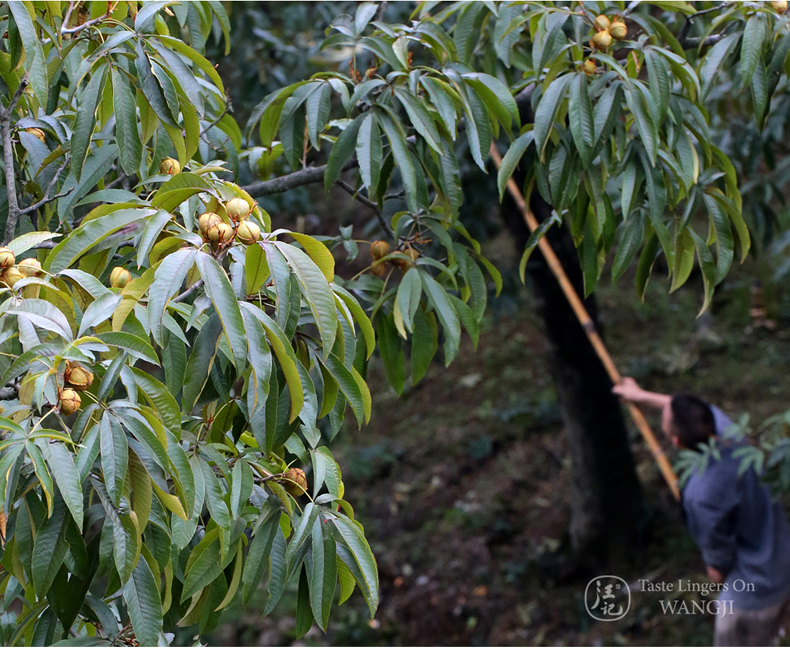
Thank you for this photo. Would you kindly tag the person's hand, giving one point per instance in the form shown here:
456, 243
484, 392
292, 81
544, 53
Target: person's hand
715, 575
627, 389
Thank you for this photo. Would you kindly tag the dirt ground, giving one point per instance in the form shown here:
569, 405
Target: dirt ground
462, 483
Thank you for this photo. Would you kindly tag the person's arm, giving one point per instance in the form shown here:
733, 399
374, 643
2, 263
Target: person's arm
631, 392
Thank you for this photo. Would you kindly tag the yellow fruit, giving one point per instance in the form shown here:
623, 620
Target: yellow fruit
78, 377
170, 166
248, 232
589, 67
602, 22
120, 277
378, 269
206, 221
69, 401
30, 267
6, 258
39, 134
12, 275
238, 209
295, 481
220, 232
379, 249
619, 31
779, 5
602, 40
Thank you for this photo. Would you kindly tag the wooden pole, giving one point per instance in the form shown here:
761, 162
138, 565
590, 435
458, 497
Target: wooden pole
589, 328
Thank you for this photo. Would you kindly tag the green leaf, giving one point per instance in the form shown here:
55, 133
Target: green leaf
258, 557
420, 118
126, 135
317, 111
424, 345
49, 549
350, 536
323, 573
633, 233
114, 457
241, 487
256, 268
85, 121
200, 362
29, 240
168, 279
391, 351
153, 228
400, 152
132, 344
217, 507
319, 253
581, 118
316, 292
304, 615
341, 152
61, 463
98, 311
43, 314
141, 594
369, 152
353, 387
90, 234
408, 300
547, 110
220, 291
161, 399
752, 46
511, 160
446, 314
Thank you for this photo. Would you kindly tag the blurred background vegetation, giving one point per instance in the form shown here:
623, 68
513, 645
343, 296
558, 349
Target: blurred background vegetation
462, 482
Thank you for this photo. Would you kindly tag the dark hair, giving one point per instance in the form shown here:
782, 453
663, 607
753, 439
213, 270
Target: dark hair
692, 420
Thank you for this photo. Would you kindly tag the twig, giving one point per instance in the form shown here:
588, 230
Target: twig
8, 158
86, 24
697, 41
215, 121
303, 177
382, 10
47, 198
188, 292
356, 195
10, 392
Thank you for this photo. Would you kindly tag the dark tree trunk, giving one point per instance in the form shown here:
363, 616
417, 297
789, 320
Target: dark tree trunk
605, 494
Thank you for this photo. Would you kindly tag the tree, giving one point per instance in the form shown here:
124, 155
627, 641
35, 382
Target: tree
152, 418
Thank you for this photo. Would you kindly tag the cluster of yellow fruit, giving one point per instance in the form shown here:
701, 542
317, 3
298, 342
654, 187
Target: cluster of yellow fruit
607, 32
779, 6
79, 379
218, 232
13, 272
380, 249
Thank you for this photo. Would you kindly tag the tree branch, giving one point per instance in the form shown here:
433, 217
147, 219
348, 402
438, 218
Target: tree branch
47, 198
10, 392
303, 177
356, 195
183, 296
8, 160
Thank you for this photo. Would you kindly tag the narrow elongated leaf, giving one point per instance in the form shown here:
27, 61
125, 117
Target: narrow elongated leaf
219, 289
85, 121
168, 279
126, 135
141, 593
64, 470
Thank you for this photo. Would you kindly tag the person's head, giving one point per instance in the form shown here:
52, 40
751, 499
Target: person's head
688, 421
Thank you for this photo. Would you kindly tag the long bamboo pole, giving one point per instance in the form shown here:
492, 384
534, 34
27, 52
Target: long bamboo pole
589, 328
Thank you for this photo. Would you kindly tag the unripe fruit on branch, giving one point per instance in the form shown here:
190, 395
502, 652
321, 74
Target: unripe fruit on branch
78, 377
70, 401
618, 30
589, 67
602, 22
378, 269
170, 166
30, 267
206, 221
295, 482
779, 5
379, 249
12, 275
238, 209
220, 233
120, 277
36, 132
6, 258
248, 232
602, 40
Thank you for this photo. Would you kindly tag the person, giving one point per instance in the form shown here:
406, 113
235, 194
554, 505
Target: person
742, 533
